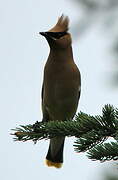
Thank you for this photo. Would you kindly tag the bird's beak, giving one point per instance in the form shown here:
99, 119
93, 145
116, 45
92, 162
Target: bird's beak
47, 35
43, 34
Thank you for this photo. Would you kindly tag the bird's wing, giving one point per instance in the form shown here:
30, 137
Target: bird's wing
42, 92
79, 92
45, 112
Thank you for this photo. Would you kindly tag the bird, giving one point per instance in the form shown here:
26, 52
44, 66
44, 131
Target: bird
61, 85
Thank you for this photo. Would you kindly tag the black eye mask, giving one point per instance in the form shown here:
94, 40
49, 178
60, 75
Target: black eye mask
56, 35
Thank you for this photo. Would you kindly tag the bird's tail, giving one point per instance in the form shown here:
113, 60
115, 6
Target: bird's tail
54, 156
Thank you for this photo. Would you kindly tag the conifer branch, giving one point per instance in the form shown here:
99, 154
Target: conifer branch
90, 131
107, 151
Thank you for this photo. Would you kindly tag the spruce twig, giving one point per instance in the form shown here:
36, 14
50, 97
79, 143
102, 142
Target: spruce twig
107, 151
90, 131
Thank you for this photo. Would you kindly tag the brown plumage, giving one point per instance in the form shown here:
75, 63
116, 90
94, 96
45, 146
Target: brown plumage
61, 85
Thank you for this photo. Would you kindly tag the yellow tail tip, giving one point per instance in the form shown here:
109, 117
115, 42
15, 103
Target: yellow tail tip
53, 164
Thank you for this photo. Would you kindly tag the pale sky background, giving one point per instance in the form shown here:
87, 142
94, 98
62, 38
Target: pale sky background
22, 58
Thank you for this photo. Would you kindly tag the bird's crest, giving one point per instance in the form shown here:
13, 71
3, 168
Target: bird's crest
61, 25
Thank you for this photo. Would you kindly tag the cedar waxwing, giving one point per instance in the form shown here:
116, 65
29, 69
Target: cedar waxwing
61, 85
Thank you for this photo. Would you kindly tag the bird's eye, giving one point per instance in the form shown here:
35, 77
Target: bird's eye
57, 35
